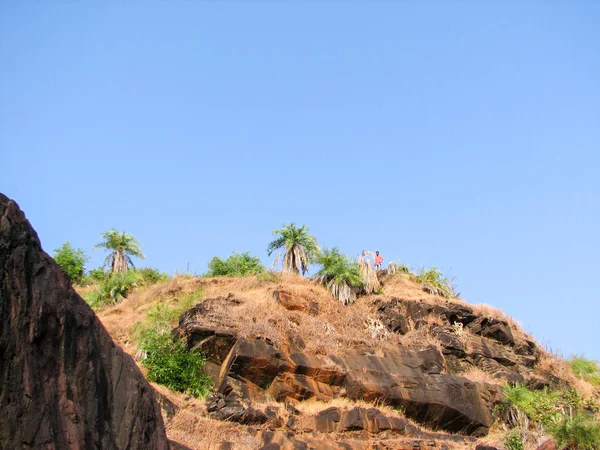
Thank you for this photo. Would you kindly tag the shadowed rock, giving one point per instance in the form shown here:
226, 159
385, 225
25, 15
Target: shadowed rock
63, 382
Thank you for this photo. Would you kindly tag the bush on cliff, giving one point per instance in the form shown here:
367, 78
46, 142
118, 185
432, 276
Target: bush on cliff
171, 364
560, 412
436, 282
587, 369
580, 432
72, 260
236, 265
340, 274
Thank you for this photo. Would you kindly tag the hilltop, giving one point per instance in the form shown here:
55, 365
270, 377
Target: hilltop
402, 368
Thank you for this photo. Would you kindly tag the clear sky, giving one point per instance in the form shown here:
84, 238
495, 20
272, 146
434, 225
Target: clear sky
463, 135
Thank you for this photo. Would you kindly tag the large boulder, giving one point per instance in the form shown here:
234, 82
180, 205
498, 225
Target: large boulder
63, 382
409, 379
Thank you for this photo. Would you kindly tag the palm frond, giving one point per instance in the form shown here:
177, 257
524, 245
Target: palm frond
298, 246
122, 247
340, 274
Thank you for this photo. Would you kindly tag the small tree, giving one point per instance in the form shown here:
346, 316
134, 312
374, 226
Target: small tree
298, 248
72, 260
340, 274
122, 247
236, 265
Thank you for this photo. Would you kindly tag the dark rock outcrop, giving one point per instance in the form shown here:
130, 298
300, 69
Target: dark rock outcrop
63, 382
409, 379
229, 407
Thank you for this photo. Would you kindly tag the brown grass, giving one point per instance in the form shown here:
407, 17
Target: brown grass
311, 408
336, 327
477, 375
559, 367
334, 330
201, 433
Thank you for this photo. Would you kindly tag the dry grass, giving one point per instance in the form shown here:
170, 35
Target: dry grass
421, 338
477, 375
559, 367
335, 328
201, 433
120, 319
311, 408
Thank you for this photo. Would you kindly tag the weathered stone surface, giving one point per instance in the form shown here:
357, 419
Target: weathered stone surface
493, 329
230, 408
478, 347
63, 382
526, 348
335, 420
293, 302
215, 344
391, 315
406, 378
301, 387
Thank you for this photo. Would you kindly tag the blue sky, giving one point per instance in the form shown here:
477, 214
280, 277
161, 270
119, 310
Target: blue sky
462, 135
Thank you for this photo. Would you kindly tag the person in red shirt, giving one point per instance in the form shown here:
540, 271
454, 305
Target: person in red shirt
378, 260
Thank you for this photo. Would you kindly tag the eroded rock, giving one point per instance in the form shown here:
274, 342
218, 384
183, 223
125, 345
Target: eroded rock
63, 382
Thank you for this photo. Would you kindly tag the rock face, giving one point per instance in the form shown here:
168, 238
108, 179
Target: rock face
412, 380
63, 382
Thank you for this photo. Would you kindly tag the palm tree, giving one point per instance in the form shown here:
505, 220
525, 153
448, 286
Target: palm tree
340, 274
122, 247
298, 248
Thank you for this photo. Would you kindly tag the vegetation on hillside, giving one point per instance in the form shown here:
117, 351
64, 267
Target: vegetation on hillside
122, 247
167, 358
236, 265
110, 288
587, 369
564, 414
340, 274
435, 282
72, 260
297, 248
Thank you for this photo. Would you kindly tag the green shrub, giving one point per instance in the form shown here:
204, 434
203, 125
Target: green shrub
72, 260
151, 276
543, 407
395, 267
437, 282
514, 440
116, 287
171, 364
585, 368
97, 275
581, 433
167, 313
340, 274
93, 299
236, 265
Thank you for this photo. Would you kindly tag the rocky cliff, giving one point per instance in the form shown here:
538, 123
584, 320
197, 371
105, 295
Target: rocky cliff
64, 384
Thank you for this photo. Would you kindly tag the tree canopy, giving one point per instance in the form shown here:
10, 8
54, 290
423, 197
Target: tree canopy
122, 246
236, 265
298, 248
72, 260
